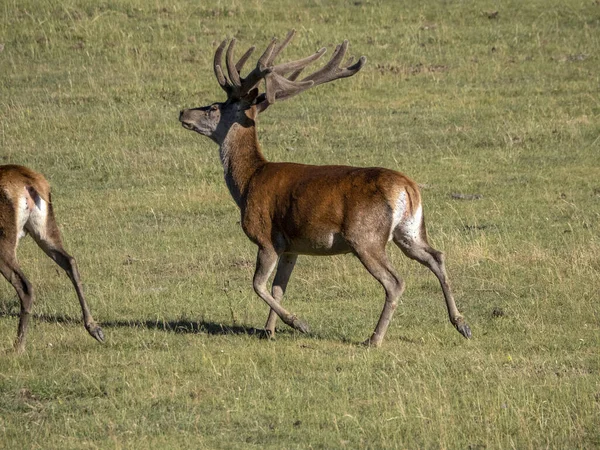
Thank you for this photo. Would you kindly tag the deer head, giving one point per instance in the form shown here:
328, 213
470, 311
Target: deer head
244, 99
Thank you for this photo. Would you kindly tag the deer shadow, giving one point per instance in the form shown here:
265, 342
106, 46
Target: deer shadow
178, 326
185, 326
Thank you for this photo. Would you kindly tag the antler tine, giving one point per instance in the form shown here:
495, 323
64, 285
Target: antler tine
244, 58
218, 70
260, 71
234, 87
294, 66
280, 87
281, 46
263, 61
346, 71
329, 71
234, 76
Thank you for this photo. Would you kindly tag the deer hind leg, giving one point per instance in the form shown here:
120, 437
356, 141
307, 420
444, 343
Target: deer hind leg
12, 218
285, 266
44, 230
376, 262
11, 271
412, 240
265, 264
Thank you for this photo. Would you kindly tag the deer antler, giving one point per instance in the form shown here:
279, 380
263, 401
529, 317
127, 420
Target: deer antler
280, 80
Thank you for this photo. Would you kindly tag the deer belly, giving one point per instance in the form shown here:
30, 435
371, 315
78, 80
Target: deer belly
323, 244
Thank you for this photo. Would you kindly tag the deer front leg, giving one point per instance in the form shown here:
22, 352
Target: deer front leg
285, 267
376, 262
265, 264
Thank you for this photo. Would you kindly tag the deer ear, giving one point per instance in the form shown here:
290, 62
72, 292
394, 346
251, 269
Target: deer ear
251, 96
261, 103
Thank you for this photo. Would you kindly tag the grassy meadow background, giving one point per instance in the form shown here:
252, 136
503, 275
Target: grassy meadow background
493, 99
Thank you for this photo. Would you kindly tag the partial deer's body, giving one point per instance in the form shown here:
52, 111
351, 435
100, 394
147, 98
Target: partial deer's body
25, 207
325, 210
290, 209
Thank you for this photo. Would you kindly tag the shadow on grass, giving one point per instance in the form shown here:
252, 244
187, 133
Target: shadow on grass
185, 326
182, 326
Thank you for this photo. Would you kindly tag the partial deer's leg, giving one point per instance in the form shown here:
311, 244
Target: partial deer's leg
376, 262
43, 228
265, 264
285, 266
415, 246
11, 220
10, 270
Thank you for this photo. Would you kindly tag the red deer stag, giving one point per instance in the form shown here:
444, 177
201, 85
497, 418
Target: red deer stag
290, 209
25, 207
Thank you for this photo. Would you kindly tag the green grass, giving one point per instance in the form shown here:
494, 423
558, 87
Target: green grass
504, 107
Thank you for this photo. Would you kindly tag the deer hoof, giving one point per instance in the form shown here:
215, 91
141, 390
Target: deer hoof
96, 332
463, 328
19, 347
300, 325
371, 343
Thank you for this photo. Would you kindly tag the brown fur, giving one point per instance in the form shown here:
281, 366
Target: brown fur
14, 178
306, 202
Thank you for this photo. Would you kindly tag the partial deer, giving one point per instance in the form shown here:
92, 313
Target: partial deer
291, 209
26, 207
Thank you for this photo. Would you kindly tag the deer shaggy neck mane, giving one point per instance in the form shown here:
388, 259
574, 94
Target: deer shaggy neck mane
241, 157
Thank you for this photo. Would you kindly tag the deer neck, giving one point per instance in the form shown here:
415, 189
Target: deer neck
241, 157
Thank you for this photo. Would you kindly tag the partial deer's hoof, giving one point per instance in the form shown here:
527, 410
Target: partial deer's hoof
300, 325
96, 332
372, 343
463, 328
19, 347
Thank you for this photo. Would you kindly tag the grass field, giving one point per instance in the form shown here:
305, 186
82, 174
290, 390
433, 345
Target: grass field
503, 106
